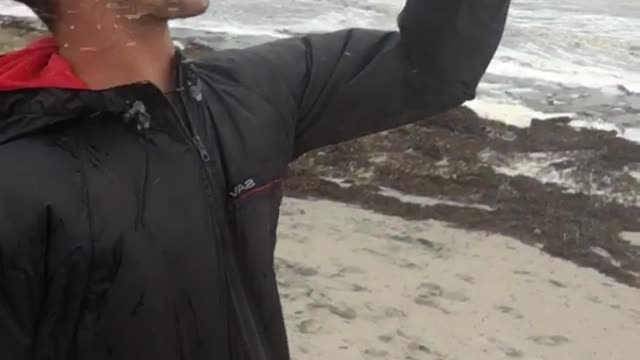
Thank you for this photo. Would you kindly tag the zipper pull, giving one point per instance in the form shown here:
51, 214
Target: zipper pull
204, 154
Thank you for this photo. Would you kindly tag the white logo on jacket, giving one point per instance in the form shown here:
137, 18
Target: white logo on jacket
242, 188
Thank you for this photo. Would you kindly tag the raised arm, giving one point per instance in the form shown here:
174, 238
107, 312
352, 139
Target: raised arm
347, 84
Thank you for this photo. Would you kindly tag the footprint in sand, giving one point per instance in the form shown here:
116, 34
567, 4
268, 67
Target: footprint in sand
466, 278
358, 288
304, 227
506, 349
284, 212
298, 238
375, 253
553, 340
430, 294
403, 263
309, 326
428, 244
419, 351
417, 347
347, 270
340, 310
376, 353
385, 338
423, 300
557, 283
510, 311
522, 272
428, 291
395, 313
377, 314
296, 268
406, 264
513, 353
406, 239
594, 299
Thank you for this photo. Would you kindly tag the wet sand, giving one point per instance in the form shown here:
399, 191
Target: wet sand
359, 285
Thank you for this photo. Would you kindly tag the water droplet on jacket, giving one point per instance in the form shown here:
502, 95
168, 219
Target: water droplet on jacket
195, 92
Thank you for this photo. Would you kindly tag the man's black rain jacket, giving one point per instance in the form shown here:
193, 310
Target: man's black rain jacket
136, 225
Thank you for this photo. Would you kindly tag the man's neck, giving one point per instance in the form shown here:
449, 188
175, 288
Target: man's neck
118, 51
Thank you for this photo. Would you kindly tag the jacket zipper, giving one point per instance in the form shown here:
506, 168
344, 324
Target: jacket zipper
204, 154
256, 348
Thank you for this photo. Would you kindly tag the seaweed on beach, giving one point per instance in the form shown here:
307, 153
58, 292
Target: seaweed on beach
456, 159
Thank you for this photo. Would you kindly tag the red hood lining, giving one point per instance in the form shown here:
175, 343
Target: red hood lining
39, 65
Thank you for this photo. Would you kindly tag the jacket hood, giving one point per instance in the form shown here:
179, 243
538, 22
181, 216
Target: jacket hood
38, 89
37, 66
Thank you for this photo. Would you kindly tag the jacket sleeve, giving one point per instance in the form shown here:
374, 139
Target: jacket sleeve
21, 276
355, 82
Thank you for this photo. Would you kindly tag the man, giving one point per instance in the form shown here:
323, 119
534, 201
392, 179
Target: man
139, 192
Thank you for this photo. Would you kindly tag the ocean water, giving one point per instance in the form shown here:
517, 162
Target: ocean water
579, 58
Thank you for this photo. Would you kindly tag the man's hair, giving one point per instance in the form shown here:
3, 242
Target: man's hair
42, 8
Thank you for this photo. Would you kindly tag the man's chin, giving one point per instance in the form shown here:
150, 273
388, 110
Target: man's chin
184, 9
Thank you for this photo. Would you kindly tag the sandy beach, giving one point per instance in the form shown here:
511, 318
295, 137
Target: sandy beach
358, 285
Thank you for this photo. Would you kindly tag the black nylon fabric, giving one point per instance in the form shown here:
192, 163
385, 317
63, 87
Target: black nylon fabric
135, 225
